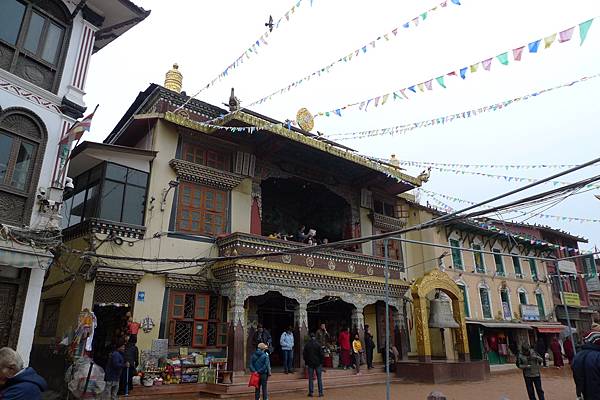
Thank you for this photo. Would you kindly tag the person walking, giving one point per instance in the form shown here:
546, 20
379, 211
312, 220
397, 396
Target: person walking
17, 382
357, 351
529, 361
541, 348
114, 367
369, 346
557, 353
287, 346
586, 368
261, 364
569, 351
344, 343
313, 358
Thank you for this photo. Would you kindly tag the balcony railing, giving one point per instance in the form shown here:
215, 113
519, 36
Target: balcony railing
333, 260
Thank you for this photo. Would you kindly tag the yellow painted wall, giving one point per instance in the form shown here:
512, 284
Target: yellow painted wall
154, 288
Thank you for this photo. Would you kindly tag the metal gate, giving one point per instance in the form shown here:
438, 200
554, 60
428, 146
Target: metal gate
8, 301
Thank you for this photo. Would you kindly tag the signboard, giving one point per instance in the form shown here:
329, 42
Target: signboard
571, 299
567, 267
530, 312
141, 297
506, 309
592, 283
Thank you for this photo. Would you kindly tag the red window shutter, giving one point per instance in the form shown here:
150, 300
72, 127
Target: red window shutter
202, 306
177, 304
199, 334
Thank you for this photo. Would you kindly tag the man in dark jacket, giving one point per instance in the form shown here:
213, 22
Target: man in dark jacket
313, 358
132, 356
529, 361
16, 382
263, 336
370, 346
586, 368
114, 367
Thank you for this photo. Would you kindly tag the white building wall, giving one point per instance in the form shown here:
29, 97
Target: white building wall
17, 92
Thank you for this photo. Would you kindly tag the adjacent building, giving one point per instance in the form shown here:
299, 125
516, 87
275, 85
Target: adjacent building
45, 51
505, 286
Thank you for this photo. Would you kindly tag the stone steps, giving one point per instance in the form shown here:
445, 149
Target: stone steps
278, 383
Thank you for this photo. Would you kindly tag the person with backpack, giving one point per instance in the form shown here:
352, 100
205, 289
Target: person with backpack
586, 368
114, 367
529, 361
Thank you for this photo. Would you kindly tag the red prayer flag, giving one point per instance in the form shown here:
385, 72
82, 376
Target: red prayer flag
517, 53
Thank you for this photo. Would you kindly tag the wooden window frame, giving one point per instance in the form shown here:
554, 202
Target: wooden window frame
499, 262
456, 264
198, 341
476, 253
19, 47
489, 301
202, 210
208, 157
516, 260
44, 332
463, 288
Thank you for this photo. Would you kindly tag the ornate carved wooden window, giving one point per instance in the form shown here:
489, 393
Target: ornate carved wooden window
394, 247
22, 143
203, 156
33, 40
195, 320
201, 210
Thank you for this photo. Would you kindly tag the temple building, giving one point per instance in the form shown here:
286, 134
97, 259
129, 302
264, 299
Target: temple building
503, 280
178, 180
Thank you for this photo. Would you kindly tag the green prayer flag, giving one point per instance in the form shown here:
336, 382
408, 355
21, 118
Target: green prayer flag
424, 15
584, 27
503, 58
440, 80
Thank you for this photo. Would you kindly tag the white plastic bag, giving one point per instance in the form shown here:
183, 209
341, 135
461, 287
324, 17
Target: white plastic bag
76, 377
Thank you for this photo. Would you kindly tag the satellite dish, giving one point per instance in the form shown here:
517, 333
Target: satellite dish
305, 119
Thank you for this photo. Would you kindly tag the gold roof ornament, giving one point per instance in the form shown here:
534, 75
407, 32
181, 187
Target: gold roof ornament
305, 119
174, 79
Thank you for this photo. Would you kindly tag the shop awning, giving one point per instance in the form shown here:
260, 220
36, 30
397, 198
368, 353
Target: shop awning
501, 325
549, 328
24, 259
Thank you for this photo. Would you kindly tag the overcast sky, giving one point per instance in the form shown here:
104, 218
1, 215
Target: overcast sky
560, 127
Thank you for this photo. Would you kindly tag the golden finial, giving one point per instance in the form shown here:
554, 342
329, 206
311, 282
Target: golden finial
174, 79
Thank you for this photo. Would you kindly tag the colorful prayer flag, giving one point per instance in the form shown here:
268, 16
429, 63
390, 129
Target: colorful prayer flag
440, 80
474, 67
584, 27
517, 53
463, 72
487, 64
548, 40
533, 46
503, 58
566, 35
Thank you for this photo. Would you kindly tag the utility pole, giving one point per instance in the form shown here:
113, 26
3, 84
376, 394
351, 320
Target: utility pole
562, 298
386, 272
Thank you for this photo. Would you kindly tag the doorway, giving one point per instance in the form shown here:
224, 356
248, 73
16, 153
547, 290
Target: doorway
335, 313
275, 313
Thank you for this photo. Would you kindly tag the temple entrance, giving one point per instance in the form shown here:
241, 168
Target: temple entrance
275, 313
331, 311
288, 204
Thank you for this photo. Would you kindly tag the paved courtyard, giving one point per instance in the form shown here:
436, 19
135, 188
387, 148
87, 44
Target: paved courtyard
557, 384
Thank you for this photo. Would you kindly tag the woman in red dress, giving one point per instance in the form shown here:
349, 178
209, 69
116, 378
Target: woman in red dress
344, 342
557, 353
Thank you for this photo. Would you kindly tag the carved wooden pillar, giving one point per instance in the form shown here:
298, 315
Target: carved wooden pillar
300, 333
237, 326
401, 333
358, 322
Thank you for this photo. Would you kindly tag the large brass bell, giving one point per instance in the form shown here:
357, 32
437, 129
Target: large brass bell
440, 314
